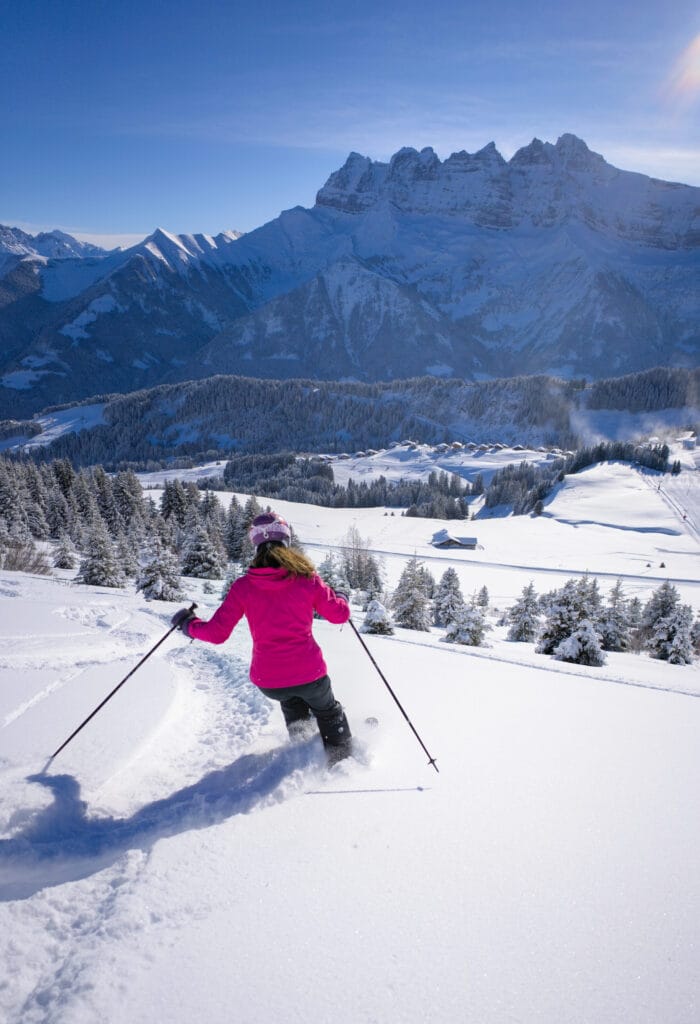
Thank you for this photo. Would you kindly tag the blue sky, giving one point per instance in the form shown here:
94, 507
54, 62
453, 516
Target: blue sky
121, 116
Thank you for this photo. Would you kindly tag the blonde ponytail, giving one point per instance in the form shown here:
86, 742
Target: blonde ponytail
276, 556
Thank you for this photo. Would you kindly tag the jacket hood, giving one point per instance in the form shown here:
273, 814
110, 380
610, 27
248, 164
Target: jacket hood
269, 577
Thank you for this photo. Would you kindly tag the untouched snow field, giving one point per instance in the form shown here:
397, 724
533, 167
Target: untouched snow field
181, 861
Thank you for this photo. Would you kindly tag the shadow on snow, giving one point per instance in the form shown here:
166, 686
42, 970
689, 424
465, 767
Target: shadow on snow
63, 844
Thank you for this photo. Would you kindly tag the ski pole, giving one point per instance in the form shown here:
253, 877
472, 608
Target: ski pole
431, 760
110, 695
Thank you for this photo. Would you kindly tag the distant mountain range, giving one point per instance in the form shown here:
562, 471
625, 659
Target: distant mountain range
473, 267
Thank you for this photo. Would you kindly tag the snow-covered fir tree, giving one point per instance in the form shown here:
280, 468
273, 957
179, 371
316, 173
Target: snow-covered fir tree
566, 609
448, 599
664, 600
469, 627
235, 530
482, 598
158, 578
173, 502
427, 580
614, 625
331, 572
695, 634
564, 614
582, 647
670, 638
524, 616
377, 620
65, 555
201, 557
590, 601
60, 517
127, 554
100, 566
410, 602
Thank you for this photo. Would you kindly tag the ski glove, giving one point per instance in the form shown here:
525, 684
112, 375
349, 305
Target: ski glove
182, 619
340, 593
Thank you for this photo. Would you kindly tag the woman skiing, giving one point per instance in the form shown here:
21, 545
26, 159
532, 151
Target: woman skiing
278, 595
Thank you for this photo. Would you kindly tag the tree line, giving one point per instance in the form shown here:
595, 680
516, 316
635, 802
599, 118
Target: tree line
222, 415
114, 534
571, 624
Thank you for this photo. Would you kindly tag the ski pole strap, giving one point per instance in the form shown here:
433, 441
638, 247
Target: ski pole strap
431, 760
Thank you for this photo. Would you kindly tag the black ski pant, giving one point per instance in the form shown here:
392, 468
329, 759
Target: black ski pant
299, 703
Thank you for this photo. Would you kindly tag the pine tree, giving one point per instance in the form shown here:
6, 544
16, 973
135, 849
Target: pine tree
482, 598
158, 579
12, 511
410, 602
695, 634
468, 628
427, 581
614, 621
589, 599
127, 555
235, 530
660, 605
201, 558
85, 503
173, 502
524, 616
65, 556
100, 567
671, 636
104, 497
448, 599
564, 615
582, 647
377, 620
128, 498
59, 515
331, 572
251, 510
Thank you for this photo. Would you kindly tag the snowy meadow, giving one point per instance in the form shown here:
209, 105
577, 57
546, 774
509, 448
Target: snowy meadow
181, 860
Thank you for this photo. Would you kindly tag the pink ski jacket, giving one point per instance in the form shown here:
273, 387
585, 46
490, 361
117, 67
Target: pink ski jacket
279, 608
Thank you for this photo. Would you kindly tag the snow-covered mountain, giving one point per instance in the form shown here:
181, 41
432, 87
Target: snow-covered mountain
552, 262
55, 245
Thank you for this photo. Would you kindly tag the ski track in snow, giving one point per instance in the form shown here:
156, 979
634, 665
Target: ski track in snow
114, 883
108, 617
63, 842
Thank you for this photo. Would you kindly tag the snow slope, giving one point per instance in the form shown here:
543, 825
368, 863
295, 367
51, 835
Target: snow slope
179, 861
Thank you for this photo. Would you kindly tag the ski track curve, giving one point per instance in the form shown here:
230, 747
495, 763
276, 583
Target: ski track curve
234, 762
106, 636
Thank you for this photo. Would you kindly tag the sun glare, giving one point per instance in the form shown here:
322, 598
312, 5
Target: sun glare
684, 81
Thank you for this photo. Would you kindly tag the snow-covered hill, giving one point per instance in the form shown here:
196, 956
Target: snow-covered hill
180, 861
552, 262
226, 415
